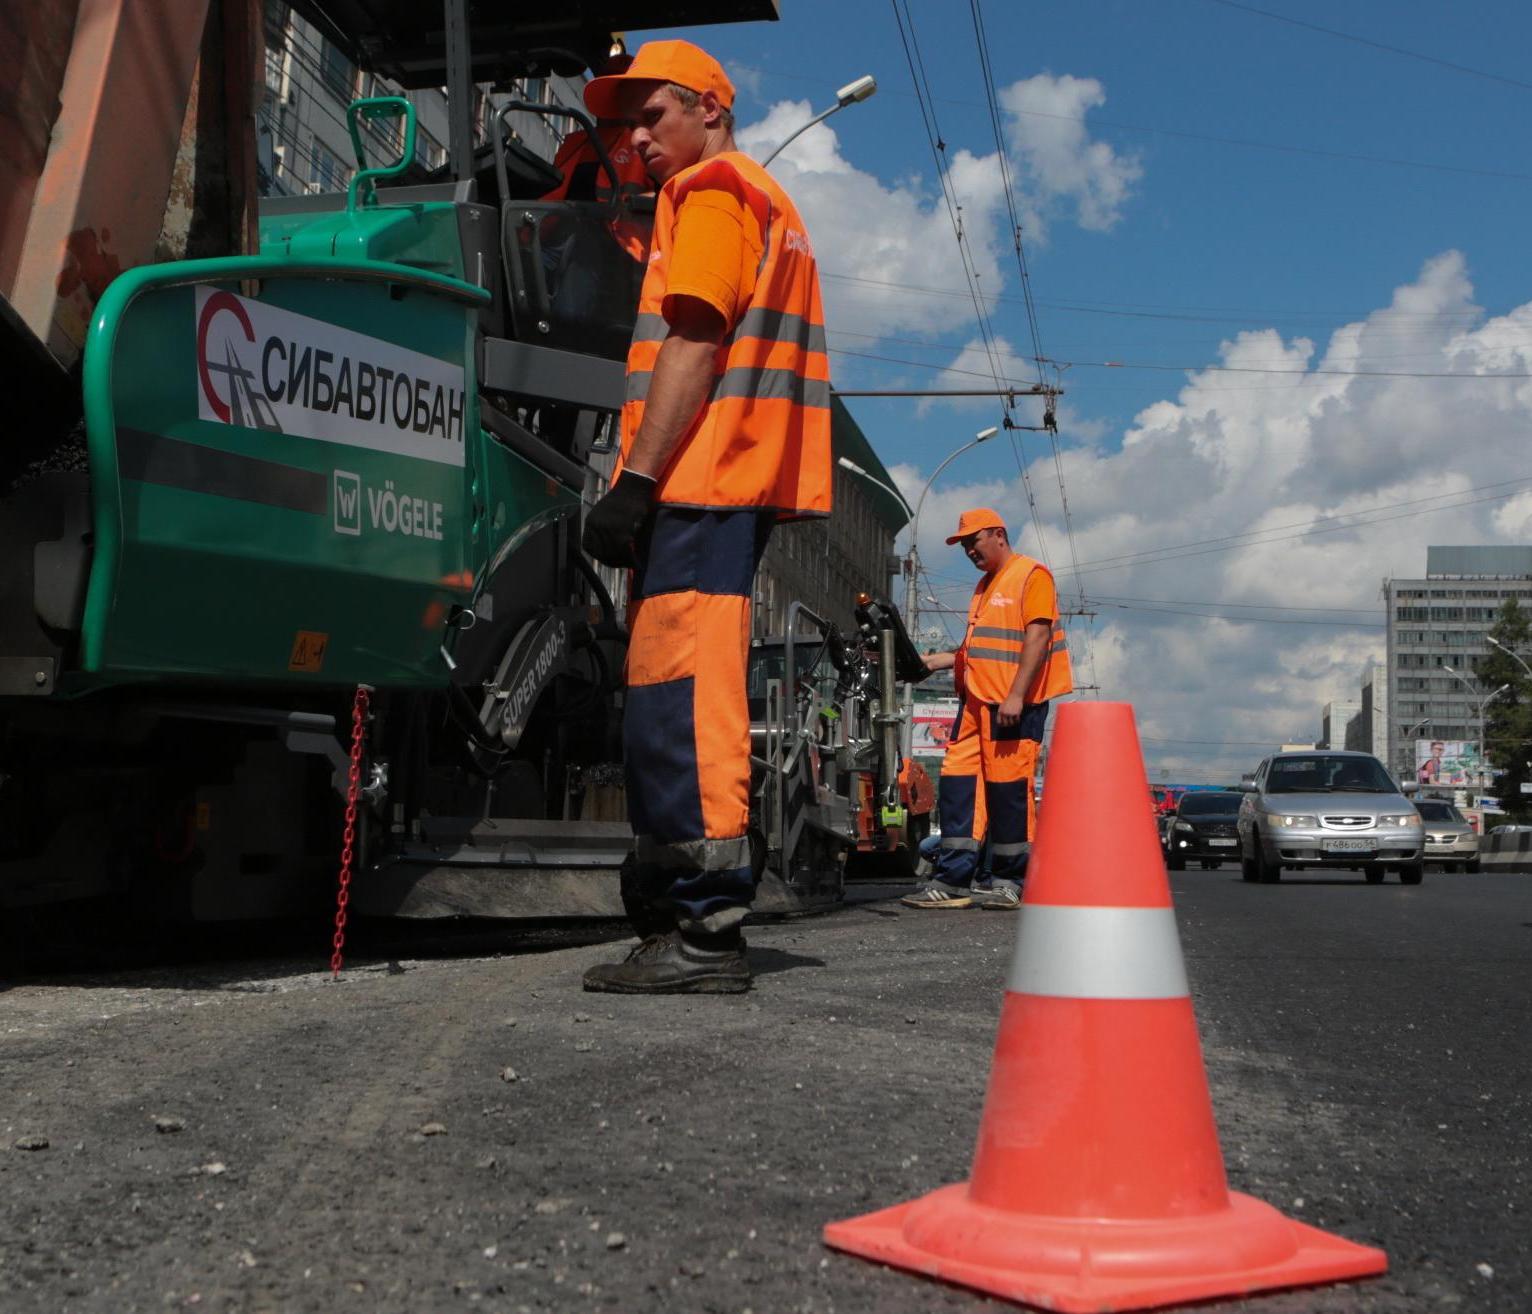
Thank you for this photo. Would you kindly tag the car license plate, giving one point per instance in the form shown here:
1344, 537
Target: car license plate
1349, 846
1222, 844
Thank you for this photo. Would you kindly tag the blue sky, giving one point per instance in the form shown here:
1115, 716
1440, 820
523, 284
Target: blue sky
1152, 245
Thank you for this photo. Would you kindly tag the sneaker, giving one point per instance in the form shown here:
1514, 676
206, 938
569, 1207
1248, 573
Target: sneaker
938, 894
1001, 894
671, 964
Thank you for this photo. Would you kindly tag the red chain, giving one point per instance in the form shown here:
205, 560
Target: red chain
348, 841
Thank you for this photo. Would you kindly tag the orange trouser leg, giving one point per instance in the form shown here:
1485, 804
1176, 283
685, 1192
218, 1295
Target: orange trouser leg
1009, 767
960, 801
686, 726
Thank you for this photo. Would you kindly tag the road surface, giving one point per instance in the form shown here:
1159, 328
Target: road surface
463, 1128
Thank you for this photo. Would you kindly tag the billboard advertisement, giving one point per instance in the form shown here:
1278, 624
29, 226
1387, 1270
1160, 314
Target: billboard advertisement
931, 726
1450, 762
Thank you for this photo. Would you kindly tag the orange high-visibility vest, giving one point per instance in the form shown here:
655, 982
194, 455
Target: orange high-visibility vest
992, 646
577, 155
762, 438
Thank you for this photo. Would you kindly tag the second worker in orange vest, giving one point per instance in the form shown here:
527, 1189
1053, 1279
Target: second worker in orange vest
1012, 663
725, 431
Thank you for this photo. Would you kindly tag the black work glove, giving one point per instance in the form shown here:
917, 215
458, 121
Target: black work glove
612, 526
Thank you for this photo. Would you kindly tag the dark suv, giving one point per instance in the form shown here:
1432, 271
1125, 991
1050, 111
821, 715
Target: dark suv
1203, 829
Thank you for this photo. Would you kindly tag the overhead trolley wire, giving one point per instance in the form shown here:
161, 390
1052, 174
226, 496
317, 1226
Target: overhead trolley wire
913, 57
1376, 45
1316, 372
1041, 363
1233, 539
1285, 148
1295, 530
1223, 315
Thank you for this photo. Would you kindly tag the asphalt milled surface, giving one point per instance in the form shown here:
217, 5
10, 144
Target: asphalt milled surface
469, 1130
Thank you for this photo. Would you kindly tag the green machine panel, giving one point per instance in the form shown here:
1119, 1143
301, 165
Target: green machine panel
286, 479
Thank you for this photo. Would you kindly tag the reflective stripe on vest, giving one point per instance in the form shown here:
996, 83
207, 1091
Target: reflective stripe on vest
762, 437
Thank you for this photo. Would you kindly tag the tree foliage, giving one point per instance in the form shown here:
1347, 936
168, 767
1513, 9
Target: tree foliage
1508, 719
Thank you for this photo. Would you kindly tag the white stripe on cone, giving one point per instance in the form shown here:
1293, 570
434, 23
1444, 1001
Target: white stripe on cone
1132, 953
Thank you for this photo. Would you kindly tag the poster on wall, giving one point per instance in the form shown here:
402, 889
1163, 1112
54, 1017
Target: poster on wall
1451, 762
931, 726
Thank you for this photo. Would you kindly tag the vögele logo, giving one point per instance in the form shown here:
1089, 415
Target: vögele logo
389, 511
348, 503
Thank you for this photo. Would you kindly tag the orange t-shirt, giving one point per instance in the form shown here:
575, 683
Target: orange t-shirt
716, 252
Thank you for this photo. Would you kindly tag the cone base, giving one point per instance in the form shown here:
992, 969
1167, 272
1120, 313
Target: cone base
1086, 1265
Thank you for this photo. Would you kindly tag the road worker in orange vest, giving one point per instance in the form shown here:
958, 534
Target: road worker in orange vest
1012, 663
725, 432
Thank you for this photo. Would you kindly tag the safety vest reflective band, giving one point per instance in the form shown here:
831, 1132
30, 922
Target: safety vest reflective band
1135, 953
993, 645
762, 438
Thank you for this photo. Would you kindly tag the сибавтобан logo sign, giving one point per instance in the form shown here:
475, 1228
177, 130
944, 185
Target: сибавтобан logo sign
259, 367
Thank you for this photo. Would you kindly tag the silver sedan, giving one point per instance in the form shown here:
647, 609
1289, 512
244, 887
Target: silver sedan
1450, 840
1326, 810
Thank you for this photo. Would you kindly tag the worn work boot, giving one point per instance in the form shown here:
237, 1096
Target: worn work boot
1002, 895
938, 894
675, 964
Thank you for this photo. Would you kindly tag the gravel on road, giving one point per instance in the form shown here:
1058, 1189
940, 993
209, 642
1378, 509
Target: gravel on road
469, 1130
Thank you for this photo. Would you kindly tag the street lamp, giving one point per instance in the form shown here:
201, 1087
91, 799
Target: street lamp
846, 463
1404, 750
1494, 642
912, 557
1483, 703
850, 94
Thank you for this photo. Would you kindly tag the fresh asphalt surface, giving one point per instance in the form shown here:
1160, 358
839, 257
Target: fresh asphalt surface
463, 1128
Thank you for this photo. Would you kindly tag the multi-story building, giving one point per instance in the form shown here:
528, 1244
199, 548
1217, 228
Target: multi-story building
303, 143
1437, 623
305, 146
1367, 731
1333, 719
826, 563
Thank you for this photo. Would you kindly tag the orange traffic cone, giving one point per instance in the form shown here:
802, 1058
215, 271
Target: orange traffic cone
1098, 1182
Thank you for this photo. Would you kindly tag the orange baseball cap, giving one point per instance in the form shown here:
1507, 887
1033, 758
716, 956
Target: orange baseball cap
971, 522
661, 61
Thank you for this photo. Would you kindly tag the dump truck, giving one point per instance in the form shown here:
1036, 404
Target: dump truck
292, 490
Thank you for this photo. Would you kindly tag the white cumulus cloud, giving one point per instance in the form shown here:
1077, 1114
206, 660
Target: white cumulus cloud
1301, 489
874, 235
1061, 167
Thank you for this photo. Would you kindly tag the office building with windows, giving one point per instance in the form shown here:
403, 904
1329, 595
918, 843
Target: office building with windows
1367, 731
1333, 720
302, 142
1436, 629
826, 563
